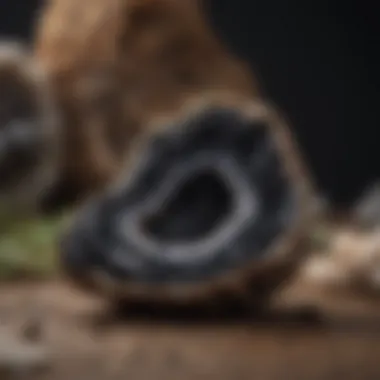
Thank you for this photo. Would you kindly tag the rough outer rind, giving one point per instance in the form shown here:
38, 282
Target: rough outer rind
257, 280
115, 65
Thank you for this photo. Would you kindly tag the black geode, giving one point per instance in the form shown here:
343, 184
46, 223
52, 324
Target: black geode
213, 199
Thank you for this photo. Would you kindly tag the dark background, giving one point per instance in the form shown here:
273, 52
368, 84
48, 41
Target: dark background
318, 61
17, 18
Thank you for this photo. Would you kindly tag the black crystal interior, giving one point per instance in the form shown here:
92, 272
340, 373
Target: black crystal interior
197, 207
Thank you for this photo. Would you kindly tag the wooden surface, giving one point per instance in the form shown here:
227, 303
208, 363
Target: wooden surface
84, 344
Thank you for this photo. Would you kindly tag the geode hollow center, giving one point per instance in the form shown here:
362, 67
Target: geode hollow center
196, 209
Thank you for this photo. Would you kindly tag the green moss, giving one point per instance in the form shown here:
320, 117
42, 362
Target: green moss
28, 248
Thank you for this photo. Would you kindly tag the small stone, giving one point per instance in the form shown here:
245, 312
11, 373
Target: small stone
21, 358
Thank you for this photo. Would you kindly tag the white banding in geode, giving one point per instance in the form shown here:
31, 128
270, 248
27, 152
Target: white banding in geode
245, 207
